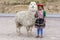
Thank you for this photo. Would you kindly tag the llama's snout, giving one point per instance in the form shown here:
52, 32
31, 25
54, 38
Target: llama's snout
32, 6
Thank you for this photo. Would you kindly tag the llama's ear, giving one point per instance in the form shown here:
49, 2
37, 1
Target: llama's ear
29, 5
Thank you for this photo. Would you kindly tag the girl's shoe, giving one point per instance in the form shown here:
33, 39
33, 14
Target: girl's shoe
41, 36
37, 36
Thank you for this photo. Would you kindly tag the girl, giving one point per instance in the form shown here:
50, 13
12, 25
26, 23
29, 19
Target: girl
40, 21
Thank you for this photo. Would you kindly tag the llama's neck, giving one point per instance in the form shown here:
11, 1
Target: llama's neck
32, 12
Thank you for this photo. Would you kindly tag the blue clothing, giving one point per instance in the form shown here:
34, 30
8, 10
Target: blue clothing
40, 31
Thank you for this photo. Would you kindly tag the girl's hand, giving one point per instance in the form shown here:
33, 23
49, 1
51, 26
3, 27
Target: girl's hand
44, 20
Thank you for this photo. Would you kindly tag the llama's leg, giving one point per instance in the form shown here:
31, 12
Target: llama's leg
31, 30
18, 26
28, 28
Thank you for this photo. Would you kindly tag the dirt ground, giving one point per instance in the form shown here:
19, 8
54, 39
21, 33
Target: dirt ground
8, 30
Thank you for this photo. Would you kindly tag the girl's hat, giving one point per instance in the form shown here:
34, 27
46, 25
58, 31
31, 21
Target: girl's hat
39, 4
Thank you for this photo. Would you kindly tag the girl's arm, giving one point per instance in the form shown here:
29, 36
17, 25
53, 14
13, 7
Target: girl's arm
36, 15
44, 15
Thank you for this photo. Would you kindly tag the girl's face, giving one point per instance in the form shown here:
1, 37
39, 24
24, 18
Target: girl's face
39, 8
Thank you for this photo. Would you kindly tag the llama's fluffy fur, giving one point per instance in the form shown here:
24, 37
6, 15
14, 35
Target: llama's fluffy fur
27, 18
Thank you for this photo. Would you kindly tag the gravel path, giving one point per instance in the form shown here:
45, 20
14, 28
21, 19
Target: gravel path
8, 30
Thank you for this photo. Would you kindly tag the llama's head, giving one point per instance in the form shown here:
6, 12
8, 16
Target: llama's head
33, 6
